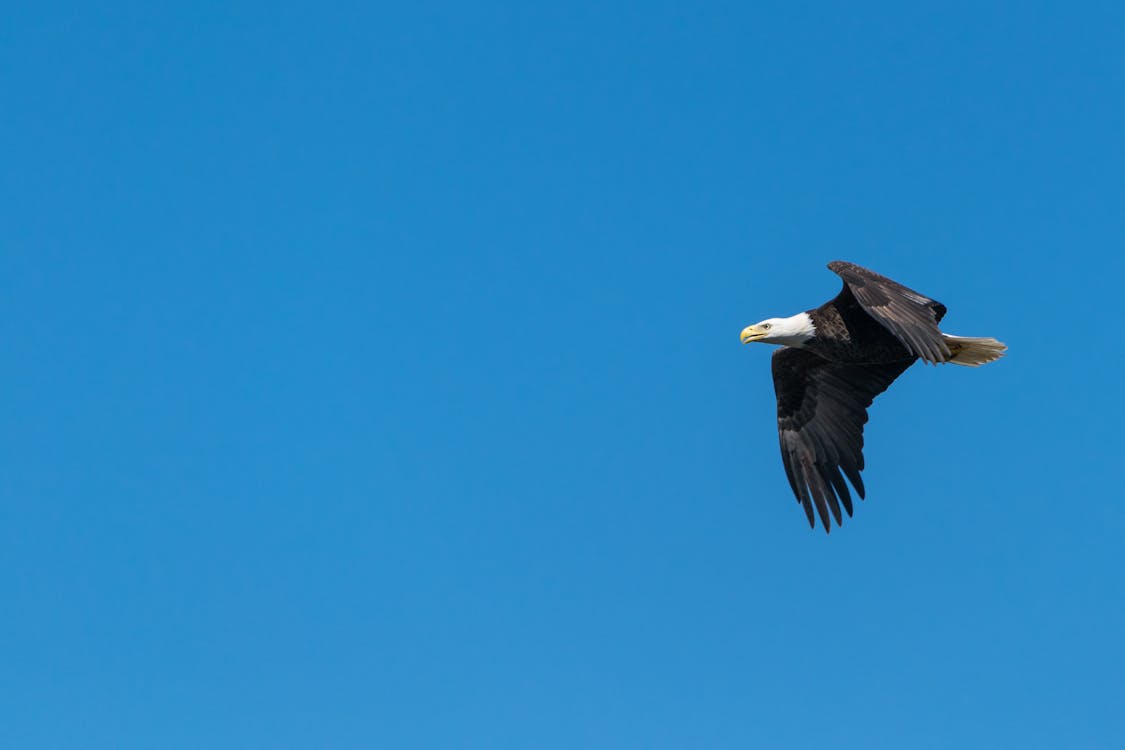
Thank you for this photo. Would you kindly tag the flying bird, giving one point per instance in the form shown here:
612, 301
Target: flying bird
834, 361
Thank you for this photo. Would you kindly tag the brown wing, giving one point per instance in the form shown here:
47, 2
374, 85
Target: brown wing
821, 410
912, 317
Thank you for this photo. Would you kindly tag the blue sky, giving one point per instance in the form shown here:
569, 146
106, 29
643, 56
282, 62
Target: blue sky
372, 375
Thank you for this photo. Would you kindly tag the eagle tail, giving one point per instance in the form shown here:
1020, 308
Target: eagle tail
973, 352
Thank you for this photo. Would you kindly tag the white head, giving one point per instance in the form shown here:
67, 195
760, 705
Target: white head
793, 331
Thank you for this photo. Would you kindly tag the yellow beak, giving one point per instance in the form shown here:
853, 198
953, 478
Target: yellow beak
752, 333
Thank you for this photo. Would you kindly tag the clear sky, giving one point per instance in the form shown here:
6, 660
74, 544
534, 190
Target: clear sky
372, 375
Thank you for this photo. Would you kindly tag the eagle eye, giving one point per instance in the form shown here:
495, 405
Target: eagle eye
765, 326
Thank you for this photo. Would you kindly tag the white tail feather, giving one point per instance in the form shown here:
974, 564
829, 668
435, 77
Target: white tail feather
973, 352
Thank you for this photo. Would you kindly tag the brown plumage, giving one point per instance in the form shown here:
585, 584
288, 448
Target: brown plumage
835, 360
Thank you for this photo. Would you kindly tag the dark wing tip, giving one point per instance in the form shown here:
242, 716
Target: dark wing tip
842, 267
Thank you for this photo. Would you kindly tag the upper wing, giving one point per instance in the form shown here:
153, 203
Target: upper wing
910, 316
821, 410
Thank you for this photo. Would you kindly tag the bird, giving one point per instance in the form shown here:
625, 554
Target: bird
833, 361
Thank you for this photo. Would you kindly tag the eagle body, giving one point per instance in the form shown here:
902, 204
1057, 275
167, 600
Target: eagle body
845, 333
833, 361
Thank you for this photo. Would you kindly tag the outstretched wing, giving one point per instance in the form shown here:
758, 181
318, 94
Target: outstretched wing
912, 317
821, 410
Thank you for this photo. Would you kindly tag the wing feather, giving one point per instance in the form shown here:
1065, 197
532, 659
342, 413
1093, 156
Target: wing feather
821, 410
911, 317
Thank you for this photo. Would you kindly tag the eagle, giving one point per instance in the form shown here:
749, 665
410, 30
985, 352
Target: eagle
833, 362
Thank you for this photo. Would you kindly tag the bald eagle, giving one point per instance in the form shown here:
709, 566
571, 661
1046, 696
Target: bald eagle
834, 361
